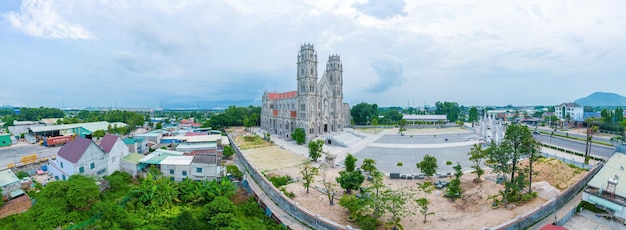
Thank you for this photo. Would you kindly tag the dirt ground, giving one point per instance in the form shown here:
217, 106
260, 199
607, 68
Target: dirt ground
470, 212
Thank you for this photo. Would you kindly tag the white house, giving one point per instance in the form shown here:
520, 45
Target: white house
80, 156
572, 110
206, 166
606, 189
115, 150
130, 164
176, 167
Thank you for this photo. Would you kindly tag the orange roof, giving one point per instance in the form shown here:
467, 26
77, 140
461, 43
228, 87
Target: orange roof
274, 96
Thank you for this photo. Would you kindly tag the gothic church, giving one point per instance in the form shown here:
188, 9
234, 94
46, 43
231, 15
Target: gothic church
316, 106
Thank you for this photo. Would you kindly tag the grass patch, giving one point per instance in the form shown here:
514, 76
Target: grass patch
278, 181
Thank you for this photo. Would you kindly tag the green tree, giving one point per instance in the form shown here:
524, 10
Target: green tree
350, 162
394, 201
363, 112
315, 149
477, 155
308, 173
428, 165
454, 188
402, 125
353, 204
422, 203
159, 125
520, 140
299, 136
184, 220
99, 133
374, 122
473, 115
450, 109
369, 165
228, 151
330, 188
350, 180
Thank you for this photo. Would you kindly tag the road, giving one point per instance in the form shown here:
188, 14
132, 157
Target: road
14, 153
578, 146
571, 134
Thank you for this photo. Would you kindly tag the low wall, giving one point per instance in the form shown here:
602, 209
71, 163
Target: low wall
546, 209
298, 212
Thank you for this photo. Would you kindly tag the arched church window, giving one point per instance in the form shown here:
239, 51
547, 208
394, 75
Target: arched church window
311, 71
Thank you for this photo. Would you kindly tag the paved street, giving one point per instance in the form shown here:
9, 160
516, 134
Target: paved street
579, 146
14, 153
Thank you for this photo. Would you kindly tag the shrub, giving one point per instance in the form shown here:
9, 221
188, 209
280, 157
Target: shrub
21, 174
278, 181
234, 171
287, 193
448, 162
399, 164
367, 222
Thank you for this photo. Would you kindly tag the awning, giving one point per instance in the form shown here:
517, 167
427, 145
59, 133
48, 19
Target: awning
605, 203
16, 193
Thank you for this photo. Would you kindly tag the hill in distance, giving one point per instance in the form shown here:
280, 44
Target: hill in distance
602, 99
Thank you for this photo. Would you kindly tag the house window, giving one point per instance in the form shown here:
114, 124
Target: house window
63, 177
184, 172
172, 171
81, 170
61, 164
199, 170
93, 165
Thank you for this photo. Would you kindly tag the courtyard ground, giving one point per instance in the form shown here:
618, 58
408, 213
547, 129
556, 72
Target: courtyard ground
472, 211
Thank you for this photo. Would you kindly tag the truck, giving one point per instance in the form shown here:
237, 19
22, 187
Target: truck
55, 141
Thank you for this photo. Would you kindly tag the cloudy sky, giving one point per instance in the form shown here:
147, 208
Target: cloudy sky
394, 52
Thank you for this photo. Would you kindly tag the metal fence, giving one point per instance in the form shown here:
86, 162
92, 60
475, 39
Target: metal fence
566, 160
298, 212
550, 207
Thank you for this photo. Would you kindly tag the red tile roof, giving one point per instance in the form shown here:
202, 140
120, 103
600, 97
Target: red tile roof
274, 96
107, 142
553, 227
73, 151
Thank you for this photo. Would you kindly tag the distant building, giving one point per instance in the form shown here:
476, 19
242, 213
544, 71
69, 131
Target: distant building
315, 106
430, 119
569, 111
130, 164
607, 189
79, 129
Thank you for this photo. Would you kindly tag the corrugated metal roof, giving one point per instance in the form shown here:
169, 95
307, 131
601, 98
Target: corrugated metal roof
424, 117
7, 177
133, 158
91, 126
177, 160
157, 156
614, 168
107, 142
73, 151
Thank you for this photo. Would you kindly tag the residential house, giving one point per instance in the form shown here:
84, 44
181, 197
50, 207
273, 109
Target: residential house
206, 167
10, 184
176, 167
115, 150
130, 164
569, 112
81, 156
607, 189
137, 145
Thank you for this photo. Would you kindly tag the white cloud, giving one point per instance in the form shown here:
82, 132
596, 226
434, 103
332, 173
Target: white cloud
427, 50
40, 18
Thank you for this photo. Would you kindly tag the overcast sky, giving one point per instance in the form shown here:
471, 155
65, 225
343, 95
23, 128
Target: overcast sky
394, 52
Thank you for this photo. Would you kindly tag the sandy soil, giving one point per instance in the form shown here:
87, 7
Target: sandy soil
272, 158
471, 212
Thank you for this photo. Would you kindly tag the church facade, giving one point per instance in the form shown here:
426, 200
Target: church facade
316, 106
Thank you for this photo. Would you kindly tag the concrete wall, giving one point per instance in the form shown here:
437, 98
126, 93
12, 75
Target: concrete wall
178, 171
114, 158
539, 214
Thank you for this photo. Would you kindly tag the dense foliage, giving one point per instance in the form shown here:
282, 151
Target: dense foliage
235, 116
363, 113
150, 203
450, 109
